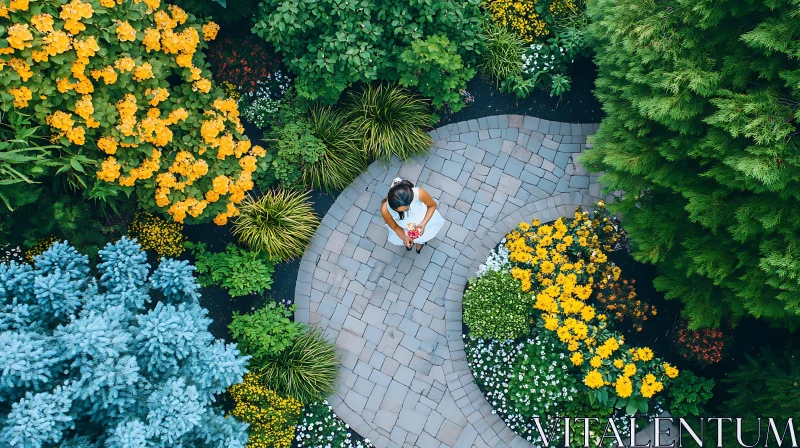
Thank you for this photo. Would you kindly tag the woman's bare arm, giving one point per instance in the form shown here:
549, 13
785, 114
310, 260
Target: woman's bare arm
428, 201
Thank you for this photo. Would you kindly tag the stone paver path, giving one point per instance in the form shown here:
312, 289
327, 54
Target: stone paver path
396, 315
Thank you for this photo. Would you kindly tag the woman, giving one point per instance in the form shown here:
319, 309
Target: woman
409, 210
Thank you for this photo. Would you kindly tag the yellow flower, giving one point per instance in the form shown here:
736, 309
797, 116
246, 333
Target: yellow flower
643, 354
629, 370
623, 386
596, 362
670, 370
19, 36
210, 31
22, 95
125, 32
618, 363
576, 358
593, 379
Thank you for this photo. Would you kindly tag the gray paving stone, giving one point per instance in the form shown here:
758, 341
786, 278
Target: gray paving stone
393, 314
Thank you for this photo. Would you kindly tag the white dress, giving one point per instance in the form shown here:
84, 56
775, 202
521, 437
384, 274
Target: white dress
414, 216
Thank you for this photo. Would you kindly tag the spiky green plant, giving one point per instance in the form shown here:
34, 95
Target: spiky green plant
503, 56
280, 223
392, 120
344, 158
305, 371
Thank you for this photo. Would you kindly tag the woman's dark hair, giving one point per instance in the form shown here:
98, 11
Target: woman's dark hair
400, 195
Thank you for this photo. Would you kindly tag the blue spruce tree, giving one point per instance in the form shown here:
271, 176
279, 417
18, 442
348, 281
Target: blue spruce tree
124, 360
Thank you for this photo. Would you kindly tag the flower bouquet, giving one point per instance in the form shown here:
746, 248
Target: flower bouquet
413, 231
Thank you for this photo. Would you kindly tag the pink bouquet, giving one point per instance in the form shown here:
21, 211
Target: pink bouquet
413, 232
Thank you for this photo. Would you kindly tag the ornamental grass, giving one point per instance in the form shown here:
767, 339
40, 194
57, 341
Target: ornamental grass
280, 223
343, 160
306, 370
392, 121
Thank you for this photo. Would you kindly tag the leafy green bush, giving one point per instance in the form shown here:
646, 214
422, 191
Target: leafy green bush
688, 395
502, 58
331, 44
237, 270
295, 147
496, 307
392, 121
343, 160
306, 370
435, 68
266, 331
279, 223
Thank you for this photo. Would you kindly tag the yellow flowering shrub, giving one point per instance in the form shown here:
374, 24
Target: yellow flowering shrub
101, 82
39, 248
562, 264
156, 234
272, 418
529, 18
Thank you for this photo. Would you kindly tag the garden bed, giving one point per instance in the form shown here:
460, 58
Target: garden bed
490, 358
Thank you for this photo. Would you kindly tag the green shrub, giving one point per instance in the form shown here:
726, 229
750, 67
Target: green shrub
331, 44
279, 223
343, 160
320, 427
503, 56
237, 270
496, 307
688, 395
435, 68
306, 370
392, 121
295, 148
266, 331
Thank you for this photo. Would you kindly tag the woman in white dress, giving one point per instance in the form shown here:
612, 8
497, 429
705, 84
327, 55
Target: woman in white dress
407, 209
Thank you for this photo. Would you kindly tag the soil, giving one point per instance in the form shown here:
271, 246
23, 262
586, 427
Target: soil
579, 105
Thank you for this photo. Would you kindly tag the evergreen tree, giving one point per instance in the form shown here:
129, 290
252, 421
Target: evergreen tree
766, 386
88, 363
701, 134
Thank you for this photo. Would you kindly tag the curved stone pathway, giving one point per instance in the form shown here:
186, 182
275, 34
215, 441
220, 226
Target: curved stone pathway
396, 315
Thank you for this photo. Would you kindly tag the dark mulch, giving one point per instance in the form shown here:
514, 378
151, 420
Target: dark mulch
579, 105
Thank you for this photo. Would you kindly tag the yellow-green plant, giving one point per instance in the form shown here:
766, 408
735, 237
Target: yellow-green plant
392, 120
306, 370
157, 234
280, 223
96, 72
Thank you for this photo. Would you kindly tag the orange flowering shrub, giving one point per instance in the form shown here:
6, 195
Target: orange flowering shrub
95, 71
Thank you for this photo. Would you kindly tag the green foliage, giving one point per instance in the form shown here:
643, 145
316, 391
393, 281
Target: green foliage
502, 58
701, 134
306, 370
435, 68
320, 427
765, 386
266, 331
237, 270
496, 307
688, 395
392, 121
330, 44
279, 223
295, 147
41, 213
539, 379
23, 155
344, 159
